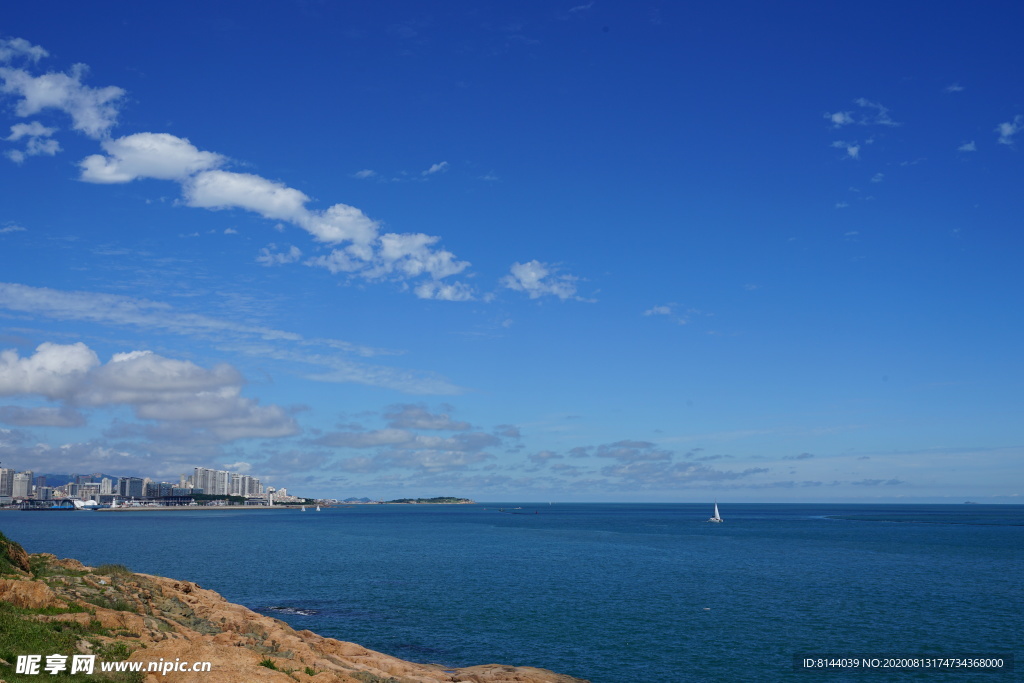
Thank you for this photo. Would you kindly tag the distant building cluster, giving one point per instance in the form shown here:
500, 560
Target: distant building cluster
104, 490
223, 483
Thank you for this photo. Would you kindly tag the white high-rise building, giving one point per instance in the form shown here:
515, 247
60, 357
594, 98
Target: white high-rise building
21, 486
6, 481
225, 483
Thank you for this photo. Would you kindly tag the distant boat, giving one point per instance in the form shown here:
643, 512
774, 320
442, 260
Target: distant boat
318, 508
303, 508
716, 517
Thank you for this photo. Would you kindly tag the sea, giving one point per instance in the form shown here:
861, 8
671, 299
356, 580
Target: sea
611, 593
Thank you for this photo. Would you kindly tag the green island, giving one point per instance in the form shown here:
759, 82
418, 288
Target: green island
440, 500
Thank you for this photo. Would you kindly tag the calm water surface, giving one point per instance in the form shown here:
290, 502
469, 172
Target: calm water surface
615, 593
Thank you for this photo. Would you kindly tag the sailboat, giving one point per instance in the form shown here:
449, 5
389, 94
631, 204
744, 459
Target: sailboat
303, 508
717, 517
318, 508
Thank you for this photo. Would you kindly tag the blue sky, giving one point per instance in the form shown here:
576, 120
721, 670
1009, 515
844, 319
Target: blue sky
573, 251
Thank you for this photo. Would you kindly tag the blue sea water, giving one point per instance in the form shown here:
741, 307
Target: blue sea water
613, 593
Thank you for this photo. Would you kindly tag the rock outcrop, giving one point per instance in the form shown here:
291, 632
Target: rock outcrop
149, 618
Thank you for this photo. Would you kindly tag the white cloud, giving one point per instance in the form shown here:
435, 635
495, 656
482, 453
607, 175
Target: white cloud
659, 310
365, 173
93, 111
445, 291
411, 254
192, 399
143, 378
436, 168
39, 141
401, 256
19, 47
953, 87
416, 416
225, 190
147, 155
852, 148
274, 258
33, 129
881, 116
1009, 129
840, 118
368, 254
11, 228
325, 354
878, 177
539, 279
54, 371
340, 223
876, 115
967, 147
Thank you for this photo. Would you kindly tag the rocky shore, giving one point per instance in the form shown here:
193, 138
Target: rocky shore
115, 614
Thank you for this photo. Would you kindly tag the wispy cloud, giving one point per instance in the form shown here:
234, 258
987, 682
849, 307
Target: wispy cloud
539, 279
880, 115
671, 311
329, 357
870, 114
436, 168
852, 148
1009, 129
269, 256
840, 118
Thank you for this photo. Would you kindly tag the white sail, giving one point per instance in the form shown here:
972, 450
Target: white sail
717, 517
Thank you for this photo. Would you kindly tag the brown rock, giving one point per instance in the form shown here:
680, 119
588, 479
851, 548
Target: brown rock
179, 622
27, 594
14, 554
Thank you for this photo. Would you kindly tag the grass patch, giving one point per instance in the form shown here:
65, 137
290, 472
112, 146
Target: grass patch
117, 604
367, 677
113, 570
269, 663
20, 634
112, 652
69, 608
12, 557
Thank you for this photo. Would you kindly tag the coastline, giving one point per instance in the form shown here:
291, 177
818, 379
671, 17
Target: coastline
194, 508
109, 613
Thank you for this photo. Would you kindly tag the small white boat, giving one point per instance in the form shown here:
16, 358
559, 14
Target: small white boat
318, 508
303, 508
716, 517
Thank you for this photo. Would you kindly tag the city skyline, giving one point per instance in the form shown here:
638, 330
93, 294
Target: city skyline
577, 252
202, 480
